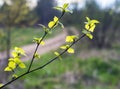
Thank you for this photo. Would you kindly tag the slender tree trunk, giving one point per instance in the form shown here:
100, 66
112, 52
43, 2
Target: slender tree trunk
8, 45
4, 62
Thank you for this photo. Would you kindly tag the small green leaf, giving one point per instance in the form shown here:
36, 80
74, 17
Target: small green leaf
1, 84
69, 11
70, 50
88, 19
21, 65
61, 24
12, 64
14, 76
38, 41
55, 19
85, 31
17, 60
90, 24
19, 50
51, 24
70, 38
89, 35
37, 56
65, 5
64, 47
44, 27
14, 54
57, 54
58, 8
63, 8
7, 69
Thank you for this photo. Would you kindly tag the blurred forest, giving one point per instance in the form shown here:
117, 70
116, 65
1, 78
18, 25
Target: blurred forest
108, 30
17, 14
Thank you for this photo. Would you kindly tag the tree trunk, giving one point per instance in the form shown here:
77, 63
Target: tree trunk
4, 62
8, 45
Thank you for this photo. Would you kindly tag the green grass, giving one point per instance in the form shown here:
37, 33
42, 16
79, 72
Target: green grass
49, 76
24, 36
104, 74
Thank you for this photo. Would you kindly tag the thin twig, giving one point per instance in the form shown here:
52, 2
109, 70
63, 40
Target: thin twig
45, 34
41, 67
33, 57
57, 56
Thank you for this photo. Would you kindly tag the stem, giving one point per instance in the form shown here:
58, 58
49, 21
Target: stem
13, 80
28, 71
62, 15
57, 56
8, 42
41, 67
33, 57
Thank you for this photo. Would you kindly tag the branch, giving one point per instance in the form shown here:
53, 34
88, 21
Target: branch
45, 34
33, 57
41, 67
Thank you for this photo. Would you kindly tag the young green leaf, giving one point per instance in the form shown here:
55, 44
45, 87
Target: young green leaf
21, 65
53, 23
1, 84
65, 5
57, 54
88, 34
37, 56
44, 27
71, 38
90, 24
14, 76
64, 8
8, 69
38, 41
70, 50
62, 26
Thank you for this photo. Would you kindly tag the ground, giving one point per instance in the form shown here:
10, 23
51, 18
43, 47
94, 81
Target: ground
50, 44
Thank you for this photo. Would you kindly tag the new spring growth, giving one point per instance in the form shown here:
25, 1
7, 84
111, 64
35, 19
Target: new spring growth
14, 76
64, 8
69, 50
38, 41
36, 55
89, 27
55, 20
71, 38
44, 28
15, 60
58, 54
1, 84
53, 23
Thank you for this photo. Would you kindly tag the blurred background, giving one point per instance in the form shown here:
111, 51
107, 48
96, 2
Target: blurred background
96, 62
